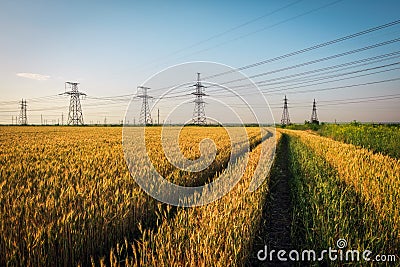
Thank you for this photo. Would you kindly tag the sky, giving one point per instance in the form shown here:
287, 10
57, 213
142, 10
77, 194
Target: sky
112, 47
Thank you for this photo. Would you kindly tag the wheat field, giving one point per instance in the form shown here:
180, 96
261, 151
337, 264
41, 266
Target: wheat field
68, 197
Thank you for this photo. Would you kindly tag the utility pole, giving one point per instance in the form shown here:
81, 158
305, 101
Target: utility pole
62, 118
75, 116
158, 116
105, 120
145, 116
285, 115
314, 117
199, 114
22, 115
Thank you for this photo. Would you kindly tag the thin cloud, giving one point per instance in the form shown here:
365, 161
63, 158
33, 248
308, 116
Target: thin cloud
33, 76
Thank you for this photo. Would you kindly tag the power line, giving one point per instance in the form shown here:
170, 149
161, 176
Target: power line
267, 60
185, 95
321, 45
263, 83
361, 101
110, 98
345, 86
335, 102
320, 59
307, 83
13, 102
231, 29
264, 28
119, 98
321, 89
334, 69
347, 37
360, 98
123, 98
328, 102
316, 77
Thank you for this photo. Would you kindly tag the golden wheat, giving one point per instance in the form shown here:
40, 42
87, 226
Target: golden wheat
218, 234
66, 193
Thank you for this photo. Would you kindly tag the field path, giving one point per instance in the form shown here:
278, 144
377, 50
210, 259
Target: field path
277, 214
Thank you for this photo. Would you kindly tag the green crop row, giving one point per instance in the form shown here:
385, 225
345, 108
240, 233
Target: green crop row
328, 207
378, 138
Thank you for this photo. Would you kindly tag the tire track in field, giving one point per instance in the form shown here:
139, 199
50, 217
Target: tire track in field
168, 212
275, 226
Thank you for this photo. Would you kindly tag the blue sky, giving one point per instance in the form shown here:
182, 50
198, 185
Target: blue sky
111, 47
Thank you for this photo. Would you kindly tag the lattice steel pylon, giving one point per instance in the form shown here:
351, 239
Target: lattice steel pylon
75, 116
23, 120
199, 113
145, 115
314, 117
285, 115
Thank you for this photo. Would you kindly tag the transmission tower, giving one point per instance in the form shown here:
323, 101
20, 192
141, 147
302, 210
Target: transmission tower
199, 114
145, 115
314, 117
75, 116
23, 120
285, 115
